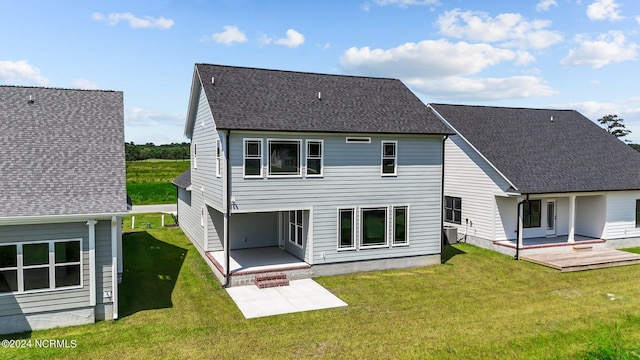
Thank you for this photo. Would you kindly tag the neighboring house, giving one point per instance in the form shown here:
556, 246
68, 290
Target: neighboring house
333, 169
581, 182
62, 181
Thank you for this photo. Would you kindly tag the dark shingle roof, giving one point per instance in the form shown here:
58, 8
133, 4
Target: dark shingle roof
183, 180
568, 154
63, 153
260, 99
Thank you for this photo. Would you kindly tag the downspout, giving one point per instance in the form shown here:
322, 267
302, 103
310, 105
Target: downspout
227, 242
442, 199
517, 257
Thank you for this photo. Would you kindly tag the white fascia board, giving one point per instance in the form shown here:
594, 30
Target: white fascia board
194, 97
471, 145
51, 219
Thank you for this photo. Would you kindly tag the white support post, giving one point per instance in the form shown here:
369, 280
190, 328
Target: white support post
114, 265
162, 220
520, 223
92, 262
133, 222
572, 219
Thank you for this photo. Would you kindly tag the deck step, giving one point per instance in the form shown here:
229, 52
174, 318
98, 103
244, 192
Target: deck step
271, 280
583, 248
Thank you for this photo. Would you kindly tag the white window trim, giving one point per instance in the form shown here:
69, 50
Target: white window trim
357, 140
321, 174
383, 157
52, 266
302, 226
244, 158
353, 229
361, 227
299, 174
393, 226
218, 158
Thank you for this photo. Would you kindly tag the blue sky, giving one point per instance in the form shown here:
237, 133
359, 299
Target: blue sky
569, 54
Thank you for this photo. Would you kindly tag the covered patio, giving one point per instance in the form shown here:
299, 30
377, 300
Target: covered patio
245, 264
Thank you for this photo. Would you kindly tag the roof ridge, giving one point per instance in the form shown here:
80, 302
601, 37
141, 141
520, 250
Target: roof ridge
55, 88
501, 107
300, 72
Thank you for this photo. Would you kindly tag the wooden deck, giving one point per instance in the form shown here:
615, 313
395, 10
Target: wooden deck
584, 259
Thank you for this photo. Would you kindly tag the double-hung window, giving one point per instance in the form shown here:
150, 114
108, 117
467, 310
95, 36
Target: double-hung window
218, 158
284, 158
531, 213
195, 155
453, 209
40, 266
637, 213
253, 158
314, 158
389, 158
346, 229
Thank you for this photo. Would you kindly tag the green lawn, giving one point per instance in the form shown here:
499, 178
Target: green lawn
477, 305
149, 182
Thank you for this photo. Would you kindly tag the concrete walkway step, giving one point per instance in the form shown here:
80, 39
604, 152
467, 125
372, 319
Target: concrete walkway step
271, 280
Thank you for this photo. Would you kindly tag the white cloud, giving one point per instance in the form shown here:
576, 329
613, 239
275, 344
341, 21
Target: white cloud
293, 39
405, 3
544, 5
604, 10
135, 116
509, 29
480, 89
134, 21
440, 69
230, 35
608, 48
436, 58
85, 84
638, 19
21, 72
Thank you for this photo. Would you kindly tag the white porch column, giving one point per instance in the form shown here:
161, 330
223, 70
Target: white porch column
114, 265
92, 261
520, 205
572, 219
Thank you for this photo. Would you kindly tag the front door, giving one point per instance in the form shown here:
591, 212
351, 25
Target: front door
551, 218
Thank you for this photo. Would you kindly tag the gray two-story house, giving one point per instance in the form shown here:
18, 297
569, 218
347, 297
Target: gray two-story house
62, 180
343, 173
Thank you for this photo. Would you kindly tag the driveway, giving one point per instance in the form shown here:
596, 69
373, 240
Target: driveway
164, 208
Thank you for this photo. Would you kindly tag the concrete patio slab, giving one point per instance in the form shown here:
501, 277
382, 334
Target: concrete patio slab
300, 295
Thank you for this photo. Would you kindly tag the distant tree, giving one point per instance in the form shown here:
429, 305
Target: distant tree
635, 146
614, 125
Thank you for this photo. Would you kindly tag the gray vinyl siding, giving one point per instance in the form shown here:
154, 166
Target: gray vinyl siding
471, 178
254, 230
215, 229
189, 215
54, 300
621, 208
204, 137
352, 178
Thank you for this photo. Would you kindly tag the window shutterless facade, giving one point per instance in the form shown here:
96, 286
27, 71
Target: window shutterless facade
284, 158
346, 229
314, 158
531, 213
453, 209
389, 158
253, 158
46, 265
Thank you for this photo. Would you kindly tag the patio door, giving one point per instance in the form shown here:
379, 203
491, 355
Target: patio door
551, 218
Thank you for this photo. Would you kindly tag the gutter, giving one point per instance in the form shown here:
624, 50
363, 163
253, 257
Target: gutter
227, 236
442, 198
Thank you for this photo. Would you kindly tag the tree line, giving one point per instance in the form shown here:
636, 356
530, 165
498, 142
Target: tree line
175, 151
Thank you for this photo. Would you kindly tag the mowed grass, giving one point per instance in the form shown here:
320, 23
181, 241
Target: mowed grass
149, 182
477, 305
